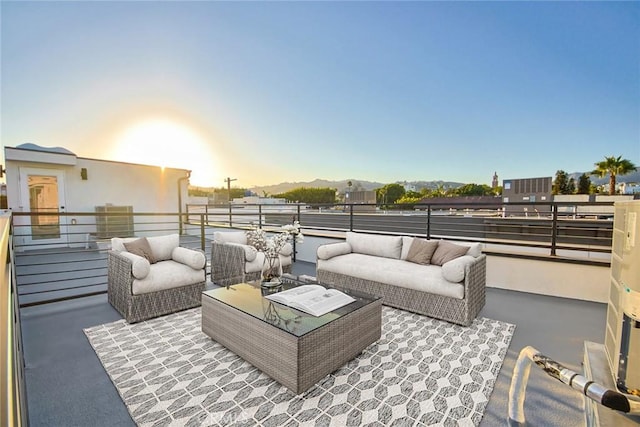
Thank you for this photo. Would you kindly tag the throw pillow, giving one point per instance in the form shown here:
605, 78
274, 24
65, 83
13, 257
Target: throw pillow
141, 248
447, 251
421, 251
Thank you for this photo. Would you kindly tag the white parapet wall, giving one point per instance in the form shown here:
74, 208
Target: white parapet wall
561, 279
533, 275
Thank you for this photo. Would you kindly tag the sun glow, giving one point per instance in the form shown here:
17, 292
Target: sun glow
165, 143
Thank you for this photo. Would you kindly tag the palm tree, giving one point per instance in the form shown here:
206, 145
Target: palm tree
613, 166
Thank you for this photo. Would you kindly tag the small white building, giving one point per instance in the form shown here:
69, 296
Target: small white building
42, 179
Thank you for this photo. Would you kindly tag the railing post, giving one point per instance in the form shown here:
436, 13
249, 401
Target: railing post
260, 216
351, 217
428, 222
230, 216
206, 212
202, 232
554, 229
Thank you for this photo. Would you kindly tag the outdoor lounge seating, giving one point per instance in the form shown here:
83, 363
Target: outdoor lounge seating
233, 260
150, 277
423, 278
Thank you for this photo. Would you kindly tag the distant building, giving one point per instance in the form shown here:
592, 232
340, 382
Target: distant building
408, 186
494, 181
526, 190
366, 199
255, 200
628, 187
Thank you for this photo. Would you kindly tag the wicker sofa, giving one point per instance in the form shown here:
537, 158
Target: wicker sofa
140, 289
453, 291
234, 261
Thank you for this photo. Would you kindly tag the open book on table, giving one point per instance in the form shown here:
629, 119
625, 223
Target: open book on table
313, 299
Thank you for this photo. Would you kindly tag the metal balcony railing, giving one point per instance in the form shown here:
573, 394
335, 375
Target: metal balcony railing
70, 261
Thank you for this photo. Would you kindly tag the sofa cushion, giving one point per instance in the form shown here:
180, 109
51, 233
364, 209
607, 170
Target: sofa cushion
141, 248
454, 270
446, 251
162, 246
421, 251
230, 237
475, 249
194, 259
406, 245
333, 249
167, 275
369, 244
394, 272
140, 266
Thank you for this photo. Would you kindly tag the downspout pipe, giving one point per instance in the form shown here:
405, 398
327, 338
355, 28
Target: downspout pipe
180, 180
528, 356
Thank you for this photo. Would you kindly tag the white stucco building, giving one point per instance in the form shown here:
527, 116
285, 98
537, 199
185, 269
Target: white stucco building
42, 179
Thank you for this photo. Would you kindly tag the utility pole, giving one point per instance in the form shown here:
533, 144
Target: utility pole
228, 181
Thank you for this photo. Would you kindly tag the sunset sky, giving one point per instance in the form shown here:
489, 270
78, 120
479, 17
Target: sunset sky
267, 92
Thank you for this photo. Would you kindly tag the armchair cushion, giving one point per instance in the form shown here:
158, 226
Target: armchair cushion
140, 266
140, 247
194, 259
230, 237
250, 252
286, 250
165, 275
162, 246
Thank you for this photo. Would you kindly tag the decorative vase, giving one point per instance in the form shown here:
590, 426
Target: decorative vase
271, 272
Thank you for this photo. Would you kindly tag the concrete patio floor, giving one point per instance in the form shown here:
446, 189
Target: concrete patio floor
67, 385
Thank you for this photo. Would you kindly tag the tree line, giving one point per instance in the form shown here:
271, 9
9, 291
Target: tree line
611, 165
390, 194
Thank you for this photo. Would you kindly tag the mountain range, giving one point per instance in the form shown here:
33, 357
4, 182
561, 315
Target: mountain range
358, 184
342, 185
630, 177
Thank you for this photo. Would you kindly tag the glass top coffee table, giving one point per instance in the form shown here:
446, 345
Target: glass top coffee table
292, 347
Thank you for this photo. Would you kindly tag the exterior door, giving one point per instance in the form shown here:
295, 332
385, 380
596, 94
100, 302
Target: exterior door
42, 191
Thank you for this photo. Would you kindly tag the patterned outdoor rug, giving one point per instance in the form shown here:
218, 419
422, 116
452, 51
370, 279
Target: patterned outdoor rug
421, 372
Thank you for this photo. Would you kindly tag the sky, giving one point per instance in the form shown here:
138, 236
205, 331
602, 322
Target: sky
267, 92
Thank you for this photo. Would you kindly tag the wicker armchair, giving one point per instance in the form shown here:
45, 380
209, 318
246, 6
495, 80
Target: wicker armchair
141, 290
233, 261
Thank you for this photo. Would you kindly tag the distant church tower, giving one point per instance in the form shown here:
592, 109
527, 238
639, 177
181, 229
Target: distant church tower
494, 182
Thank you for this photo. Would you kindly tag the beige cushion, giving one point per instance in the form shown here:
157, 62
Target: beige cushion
475, 249
446, 251
421, 251
167, 275
117, 243
194, 259
163, 246
406, 245
140, 266
141, 248
454, 270
286, 250
393, 272
250, 252
369, 244
333, 249
230, 237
